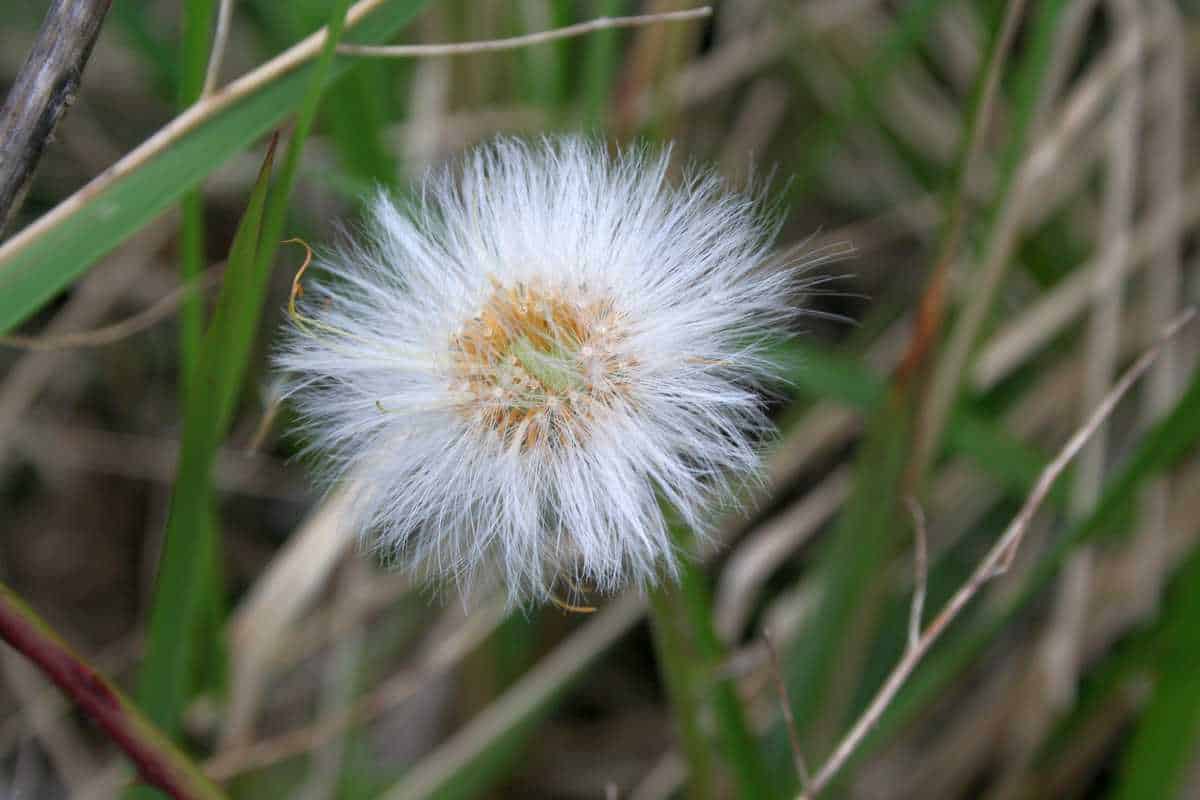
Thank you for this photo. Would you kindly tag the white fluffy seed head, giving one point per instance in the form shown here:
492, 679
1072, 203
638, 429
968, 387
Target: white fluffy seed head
520, 366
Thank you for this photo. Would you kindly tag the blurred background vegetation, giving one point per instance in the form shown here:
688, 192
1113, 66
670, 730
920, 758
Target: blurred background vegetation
982, 313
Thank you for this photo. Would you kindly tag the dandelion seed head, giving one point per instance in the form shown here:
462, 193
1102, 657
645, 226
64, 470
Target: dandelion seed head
517, 370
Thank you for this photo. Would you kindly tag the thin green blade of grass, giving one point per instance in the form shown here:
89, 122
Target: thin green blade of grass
738, 747
543, 68
189, 548
690, 658
824, 662
34, 269
197, 32
277, 204
355, 116
600, 68
194, 55
1164, 744
679, 676
357, 122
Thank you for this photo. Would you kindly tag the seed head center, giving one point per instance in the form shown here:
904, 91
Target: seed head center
535, 363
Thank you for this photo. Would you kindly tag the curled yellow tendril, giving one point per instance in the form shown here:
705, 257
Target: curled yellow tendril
297, 287
306, 323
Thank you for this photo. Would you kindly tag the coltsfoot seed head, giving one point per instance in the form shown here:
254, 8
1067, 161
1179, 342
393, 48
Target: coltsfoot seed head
519, 366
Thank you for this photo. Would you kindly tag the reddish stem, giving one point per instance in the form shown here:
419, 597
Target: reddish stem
158, 761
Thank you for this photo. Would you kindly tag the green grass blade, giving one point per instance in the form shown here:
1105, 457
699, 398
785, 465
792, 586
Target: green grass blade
355, 116
738, 747
277, 204
190, 553
543, 67
1167, 735
197, 32
600, 66
189, 547
33, 268
824, 662
680, 677
690, 657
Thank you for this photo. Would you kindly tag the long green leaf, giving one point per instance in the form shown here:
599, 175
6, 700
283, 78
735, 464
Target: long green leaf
197, 31
866, 534
34, 267
189, 544
600, 66
189, 553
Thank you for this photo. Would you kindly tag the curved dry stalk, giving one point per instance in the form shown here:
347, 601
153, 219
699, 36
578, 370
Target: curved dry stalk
994, 564
117, 331
515, 42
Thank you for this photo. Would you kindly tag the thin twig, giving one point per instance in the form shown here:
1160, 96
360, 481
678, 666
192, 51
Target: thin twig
110, 334
920, 568
994, 564
493, 45
785, 704
220, 40
42, 92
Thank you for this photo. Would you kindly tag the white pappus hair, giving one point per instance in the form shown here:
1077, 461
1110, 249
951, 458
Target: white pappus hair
524, 362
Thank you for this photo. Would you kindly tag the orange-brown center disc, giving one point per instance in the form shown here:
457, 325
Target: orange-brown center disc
534, 362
